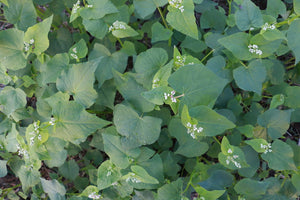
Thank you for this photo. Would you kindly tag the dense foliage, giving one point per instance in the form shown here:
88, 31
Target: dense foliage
150, 99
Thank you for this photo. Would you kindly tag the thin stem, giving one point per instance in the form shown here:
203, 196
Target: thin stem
288, 21
162, 17
217, 140
207, 55
84, 2
182, 95
290, 67
229, 6
243, 64
121, 43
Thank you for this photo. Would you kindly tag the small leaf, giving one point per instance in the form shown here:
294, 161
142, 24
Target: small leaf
251, 188
78, 50
96, 27
277, 100
293, 95
3, 168
292, 36
107, 175
142, 175
122, 30
11, 99
208, 195
69, 170
159, 33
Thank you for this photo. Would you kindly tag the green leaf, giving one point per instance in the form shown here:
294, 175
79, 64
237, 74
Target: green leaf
119, 155
39, 34
281, 156
232, 157
296, 181
96, 27
106, 94
109, 61
248, 15
54, 189
79, 81
208, 195
107, 175
11, 141
275, 7
253, 160
199, 85
277, 122
131, 91
98, 10
142, 175
183, 20
21, 13
250, 78
145, 8
293, 95
51, 71
292, 37
11, 49
69, 170
259, 145
78, 50
170, 191
28, 178
148, 63
297, 6
11, 99
267, 46
212, 123
213, 19
160, 33
252, 189
60, 41
3, 169
121, 30
73, 123
217, 64
188, 146
136, 130
238, 44
277, 100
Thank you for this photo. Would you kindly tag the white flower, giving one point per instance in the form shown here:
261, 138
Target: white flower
267, 26
155, 83
191, 129
115, 183
31, 41
117, 26
232, 159
76, 6
90, 6
93, 195
52, 121
74, 56
229, 151
189, 124
1, 147
266, 147
254, 49
74, 50
177, 4
108, 173
171, 95
132, 178
180, 61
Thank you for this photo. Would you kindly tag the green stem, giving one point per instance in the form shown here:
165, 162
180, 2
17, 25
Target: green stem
6, 191
162, 17
229, 6
288, 21
121, 43
207, 55
84, 2
217, 140
243, 64
290, 67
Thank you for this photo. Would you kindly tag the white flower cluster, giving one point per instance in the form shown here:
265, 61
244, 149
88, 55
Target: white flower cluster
268, 26
192, 129
52, 121
93, 195
132, 178
232, 159
89, 6
155, 83
35, 133
180, 60
76, 6
116, 26
266, 147
115, 183
171, 95
28, 45
74, 53
254, 49
177, 4
22, 152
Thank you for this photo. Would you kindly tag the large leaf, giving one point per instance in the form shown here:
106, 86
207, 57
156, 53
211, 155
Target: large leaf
131, 91
238, 44
250, 78
188, 146
38, 35
3, 169
107, 175
148, 63
276, 121
293, 95
79, 81
248, 15
252, 189
109, 61
160, 33
96, 27
199, 85
137, 130
119, 155
281, 157
11, 99
172, 191
11, 49
98, 10
293, 38
21, 13
144, 8
69, 170
29, 178
54, 189
183, 19
211, 122
73, 123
